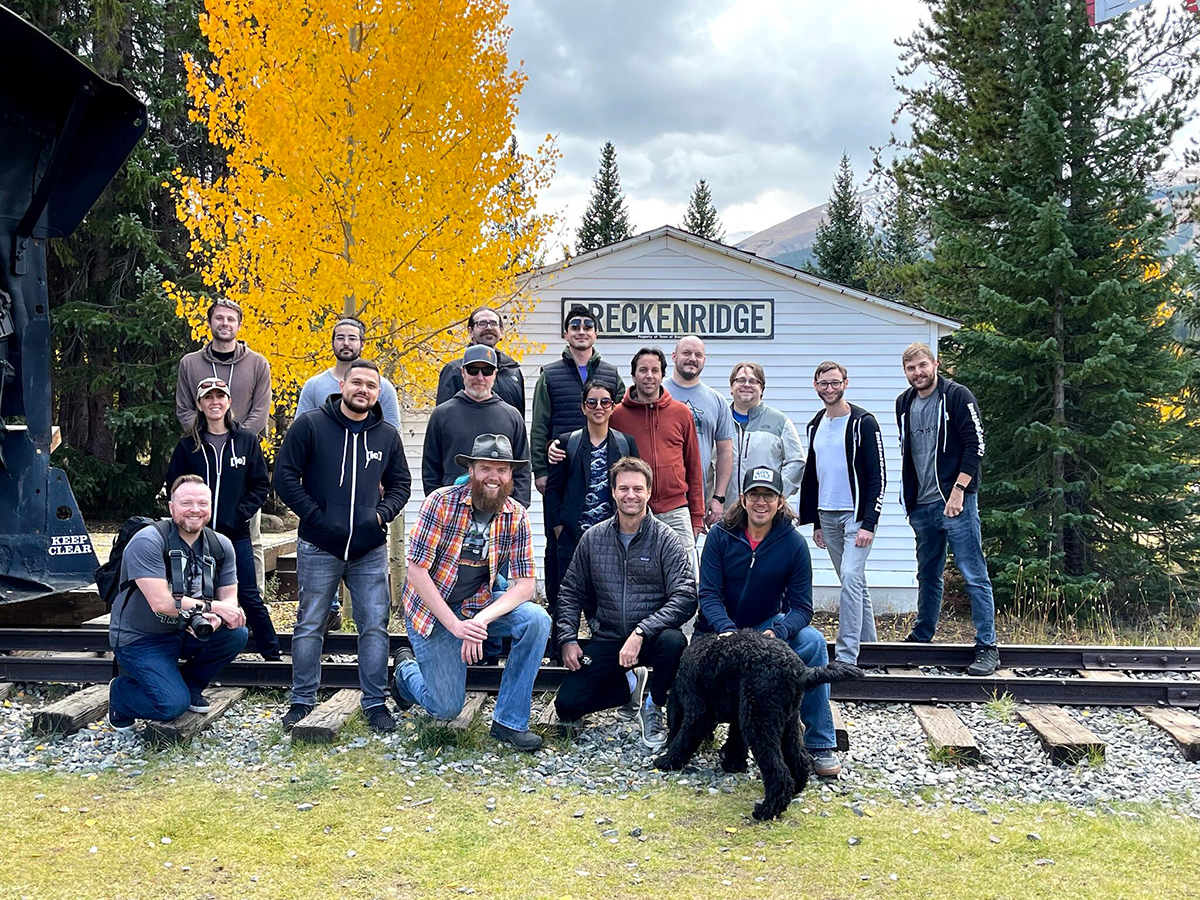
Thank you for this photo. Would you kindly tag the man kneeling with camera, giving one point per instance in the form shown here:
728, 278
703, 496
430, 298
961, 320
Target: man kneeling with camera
176, 622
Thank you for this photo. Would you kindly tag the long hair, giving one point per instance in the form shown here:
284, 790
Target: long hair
736, 518
200, 426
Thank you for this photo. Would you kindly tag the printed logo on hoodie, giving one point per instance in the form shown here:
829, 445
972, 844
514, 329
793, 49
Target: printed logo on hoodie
374, 456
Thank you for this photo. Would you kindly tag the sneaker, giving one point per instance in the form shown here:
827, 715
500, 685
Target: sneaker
380, 719
654, 735
630, 710
987, 659
117, 723
199, 704
295, 713
570, 730
333, 621
522, 740
911, 638
826, 764
402, 702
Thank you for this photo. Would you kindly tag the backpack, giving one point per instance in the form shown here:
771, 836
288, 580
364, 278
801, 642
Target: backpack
108, 575
575, 440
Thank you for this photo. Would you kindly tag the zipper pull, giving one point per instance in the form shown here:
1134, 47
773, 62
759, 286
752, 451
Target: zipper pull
753, 556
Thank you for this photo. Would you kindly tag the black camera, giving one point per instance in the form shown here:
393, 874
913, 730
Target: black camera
194, 619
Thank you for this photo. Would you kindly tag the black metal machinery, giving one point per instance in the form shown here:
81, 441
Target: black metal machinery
64, 133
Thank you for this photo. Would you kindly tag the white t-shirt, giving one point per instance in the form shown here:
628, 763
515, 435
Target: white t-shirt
833, 478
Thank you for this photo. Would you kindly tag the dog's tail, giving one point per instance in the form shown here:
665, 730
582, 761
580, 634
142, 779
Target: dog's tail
835, 671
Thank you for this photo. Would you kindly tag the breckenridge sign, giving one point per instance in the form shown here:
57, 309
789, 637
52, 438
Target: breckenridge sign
656, 319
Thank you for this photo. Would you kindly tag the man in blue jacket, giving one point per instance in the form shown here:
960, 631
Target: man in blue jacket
755, 572
941, 446
329, 471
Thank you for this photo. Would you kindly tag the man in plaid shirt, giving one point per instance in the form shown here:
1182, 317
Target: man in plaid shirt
462, 537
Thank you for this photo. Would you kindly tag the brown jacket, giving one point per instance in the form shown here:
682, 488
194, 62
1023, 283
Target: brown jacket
248, 375
665, 433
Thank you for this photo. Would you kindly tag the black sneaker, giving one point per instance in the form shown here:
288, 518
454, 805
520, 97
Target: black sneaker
654, 734
295, 713
522, 740
380, 719
987, 660
402, 702
633, 708
333, 621
911, 638
198, 703
118, 723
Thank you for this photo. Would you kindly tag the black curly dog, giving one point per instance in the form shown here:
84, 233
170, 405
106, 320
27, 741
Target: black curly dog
755, 683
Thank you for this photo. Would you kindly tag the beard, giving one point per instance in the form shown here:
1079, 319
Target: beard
483, 502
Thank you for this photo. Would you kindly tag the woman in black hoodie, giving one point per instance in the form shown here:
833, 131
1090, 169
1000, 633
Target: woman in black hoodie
231, 462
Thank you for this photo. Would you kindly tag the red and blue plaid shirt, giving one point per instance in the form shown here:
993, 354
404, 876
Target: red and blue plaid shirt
435, 543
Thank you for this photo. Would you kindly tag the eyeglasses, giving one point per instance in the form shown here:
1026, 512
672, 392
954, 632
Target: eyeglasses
581, 325
602, 402
487, 323
827, 385
761, 497
478, 369
745, 381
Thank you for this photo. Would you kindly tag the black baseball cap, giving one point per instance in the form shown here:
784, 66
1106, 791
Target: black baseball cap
763, 477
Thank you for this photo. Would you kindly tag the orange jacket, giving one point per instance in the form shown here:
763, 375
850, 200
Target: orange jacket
665, 433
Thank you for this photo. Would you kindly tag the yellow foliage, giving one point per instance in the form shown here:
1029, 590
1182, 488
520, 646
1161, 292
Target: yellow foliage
368, 174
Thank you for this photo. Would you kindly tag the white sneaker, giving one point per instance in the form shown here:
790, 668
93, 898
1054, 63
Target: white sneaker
630, 710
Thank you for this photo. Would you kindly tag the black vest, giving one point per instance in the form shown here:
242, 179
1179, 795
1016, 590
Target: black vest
566, 392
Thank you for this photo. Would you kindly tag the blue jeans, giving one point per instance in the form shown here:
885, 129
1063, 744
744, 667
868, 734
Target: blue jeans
815, 713
153, 684
319, 574
437, 678
934, 532
258, 618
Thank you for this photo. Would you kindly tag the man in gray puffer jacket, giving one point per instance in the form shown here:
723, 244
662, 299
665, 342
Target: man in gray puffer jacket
633, 571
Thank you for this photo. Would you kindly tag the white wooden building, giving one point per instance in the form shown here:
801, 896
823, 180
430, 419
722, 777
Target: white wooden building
650, 289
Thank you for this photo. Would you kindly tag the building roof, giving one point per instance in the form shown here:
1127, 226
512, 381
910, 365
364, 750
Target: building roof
670, 231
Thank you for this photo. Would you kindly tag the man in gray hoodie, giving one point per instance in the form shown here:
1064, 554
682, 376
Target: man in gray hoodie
248, 375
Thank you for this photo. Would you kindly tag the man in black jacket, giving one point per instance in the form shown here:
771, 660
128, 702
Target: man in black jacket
330, 471
841, 495
486, 326
635, 571
475, 410
941, 444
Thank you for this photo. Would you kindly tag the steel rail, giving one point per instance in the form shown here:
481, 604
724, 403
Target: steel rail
1017, 656
873, 688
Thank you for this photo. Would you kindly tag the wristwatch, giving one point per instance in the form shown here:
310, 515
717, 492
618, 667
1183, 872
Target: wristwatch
720, 498
639, 631
959, 487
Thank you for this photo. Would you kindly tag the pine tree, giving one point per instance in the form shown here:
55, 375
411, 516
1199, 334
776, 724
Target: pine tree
1034, 140
701, 216
606, 220
840, 245
891, 268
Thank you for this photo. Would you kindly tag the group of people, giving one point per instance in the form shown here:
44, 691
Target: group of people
630, 477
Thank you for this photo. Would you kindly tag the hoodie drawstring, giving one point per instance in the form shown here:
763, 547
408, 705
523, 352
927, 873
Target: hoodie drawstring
345, 444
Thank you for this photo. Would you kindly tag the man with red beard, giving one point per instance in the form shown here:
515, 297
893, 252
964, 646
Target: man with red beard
463, 536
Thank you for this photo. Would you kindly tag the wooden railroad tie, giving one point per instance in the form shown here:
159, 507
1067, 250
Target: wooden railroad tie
1065, 739
68, 715
322, 725
473, 705
184, 728
6, 688
839, 728
1183, 727
942, 726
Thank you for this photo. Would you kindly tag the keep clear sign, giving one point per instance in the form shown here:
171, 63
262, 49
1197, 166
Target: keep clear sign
670, 319
69, 544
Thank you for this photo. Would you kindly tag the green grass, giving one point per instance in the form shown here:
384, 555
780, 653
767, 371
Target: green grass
1001, 707
370, 835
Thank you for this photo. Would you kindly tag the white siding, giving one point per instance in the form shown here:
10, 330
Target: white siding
812, 323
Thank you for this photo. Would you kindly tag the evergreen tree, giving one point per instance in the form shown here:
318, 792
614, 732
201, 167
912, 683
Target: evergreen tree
701, 216
840, 246
1034, 139
606, 220
891, 268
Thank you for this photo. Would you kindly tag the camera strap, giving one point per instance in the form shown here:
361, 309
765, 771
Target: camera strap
182, 563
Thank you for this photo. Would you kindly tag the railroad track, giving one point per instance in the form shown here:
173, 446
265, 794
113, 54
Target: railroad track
1159, 682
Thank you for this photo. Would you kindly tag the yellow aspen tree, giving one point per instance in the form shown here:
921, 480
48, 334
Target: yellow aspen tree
370, 173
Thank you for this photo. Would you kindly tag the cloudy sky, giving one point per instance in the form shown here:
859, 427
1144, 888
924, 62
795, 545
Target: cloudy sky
760, 97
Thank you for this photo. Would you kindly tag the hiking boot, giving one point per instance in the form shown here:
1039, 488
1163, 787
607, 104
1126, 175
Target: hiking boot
826, 764
380, 719
570, 730
119, 723
987, 659
630, 710
198, 703
402, 702
333, 622
654, 734
522, 740
295, 713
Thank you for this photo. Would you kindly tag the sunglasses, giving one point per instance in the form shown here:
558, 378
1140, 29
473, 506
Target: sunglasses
602, 402
581, 325
479, 369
